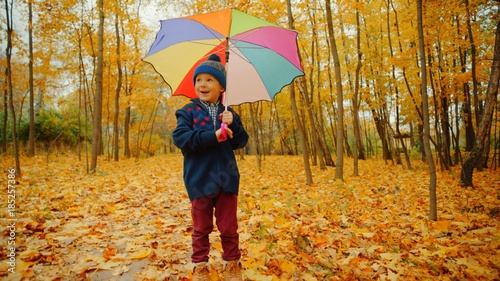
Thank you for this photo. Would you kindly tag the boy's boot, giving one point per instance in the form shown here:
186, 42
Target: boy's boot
232, 271
200, 272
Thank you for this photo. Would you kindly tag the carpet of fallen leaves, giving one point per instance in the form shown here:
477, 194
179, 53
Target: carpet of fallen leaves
131, 221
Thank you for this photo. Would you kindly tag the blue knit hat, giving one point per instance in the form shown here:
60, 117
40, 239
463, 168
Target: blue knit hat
214, 67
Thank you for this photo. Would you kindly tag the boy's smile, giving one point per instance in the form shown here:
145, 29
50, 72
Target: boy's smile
208, 88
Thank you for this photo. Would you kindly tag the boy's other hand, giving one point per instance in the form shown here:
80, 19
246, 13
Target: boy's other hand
220, 138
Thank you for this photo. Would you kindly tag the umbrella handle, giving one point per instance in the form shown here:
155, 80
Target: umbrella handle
223, 128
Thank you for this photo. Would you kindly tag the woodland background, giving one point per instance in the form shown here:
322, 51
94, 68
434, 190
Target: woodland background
49, 108
377, 43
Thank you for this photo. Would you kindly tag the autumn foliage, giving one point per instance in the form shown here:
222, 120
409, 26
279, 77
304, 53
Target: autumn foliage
131, 221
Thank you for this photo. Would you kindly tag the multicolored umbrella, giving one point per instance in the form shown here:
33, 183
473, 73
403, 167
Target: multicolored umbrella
261, 57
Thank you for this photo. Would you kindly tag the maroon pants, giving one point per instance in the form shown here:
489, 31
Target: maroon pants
202, 212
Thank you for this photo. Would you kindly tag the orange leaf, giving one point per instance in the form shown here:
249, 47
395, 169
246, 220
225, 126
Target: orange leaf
108, 252
307, 257
320, 240
442, 225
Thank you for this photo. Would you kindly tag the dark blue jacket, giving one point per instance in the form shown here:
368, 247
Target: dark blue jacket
209, 166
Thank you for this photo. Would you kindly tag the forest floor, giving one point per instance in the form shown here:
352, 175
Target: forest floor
131, 221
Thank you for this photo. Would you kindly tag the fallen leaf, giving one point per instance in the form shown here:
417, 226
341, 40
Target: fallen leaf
141, 254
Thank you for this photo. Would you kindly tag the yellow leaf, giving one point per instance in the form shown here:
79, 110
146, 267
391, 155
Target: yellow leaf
368, 234
287, 266
252, 275
109, 265
143, 253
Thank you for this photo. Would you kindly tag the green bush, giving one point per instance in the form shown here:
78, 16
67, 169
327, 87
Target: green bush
52, 125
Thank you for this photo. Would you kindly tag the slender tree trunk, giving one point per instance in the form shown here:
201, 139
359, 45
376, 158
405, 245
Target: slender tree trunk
138, 139
380, 126
445, 127
355, 98
97, 130
86, 105
304, 91
81, 90
469, 128
109, 139
126, 133
438, 133
339, 173
486, 119
325, 150
148, 151
84, 93
15, 143
477, 109
260, 128
5, 117
276, 116
255, 138
425, 110
116, 123
270, 131
300, 128
457, 154
398, 132
31, 139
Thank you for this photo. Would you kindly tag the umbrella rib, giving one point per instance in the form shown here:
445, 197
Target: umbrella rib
207, 44
240, 56
241, 39
250, 33
212, 32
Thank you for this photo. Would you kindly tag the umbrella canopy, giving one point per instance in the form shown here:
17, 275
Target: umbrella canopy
261, 58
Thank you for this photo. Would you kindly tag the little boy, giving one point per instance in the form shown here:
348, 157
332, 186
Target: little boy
211, 173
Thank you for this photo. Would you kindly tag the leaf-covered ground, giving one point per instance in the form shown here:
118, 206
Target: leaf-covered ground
131, 221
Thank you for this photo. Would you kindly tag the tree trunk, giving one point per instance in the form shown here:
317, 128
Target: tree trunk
148, 150
339, 173
425, 111
469, 128
126, 133
300, 128
327, 155
355, 98
379, 125
260, 127
116, 124
398, 132
470, 36
438, 144
457, 155
486, 119
270, 133
445, 127
5, 117
97, 122
255, 138
304, 91
31, 138
15, 143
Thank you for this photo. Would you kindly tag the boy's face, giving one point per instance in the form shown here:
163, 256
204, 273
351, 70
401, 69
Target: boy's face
207, 88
